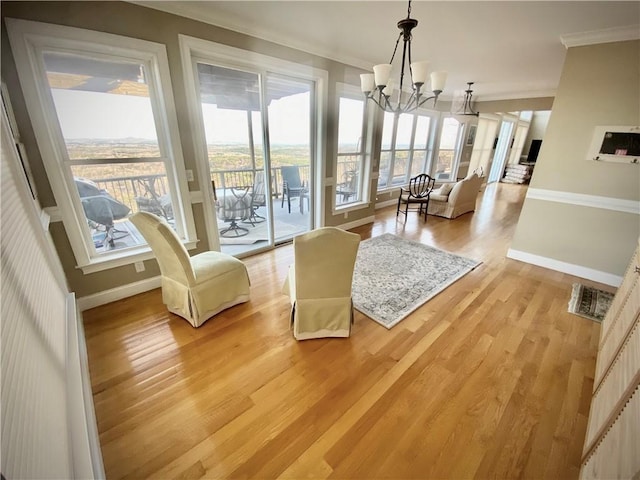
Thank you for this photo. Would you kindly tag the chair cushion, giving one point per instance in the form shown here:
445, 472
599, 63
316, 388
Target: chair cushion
208, 265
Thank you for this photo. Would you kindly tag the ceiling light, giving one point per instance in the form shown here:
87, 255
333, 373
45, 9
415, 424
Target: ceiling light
378, 86
462, 106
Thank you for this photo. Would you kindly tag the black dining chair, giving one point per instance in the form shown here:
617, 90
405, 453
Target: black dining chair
420, 187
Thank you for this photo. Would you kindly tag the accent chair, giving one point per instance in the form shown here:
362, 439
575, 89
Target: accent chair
195, 288
319, 283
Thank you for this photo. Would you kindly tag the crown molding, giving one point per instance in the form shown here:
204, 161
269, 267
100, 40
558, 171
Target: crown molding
183, 10
608, 35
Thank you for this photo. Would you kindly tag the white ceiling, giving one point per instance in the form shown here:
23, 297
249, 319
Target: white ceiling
510, 49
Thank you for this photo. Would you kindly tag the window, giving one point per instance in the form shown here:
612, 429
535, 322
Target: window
449, 149
407, 147
100, 104
351, 171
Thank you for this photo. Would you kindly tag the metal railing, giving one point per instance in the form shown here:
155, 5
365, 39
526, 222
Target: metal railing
126, 189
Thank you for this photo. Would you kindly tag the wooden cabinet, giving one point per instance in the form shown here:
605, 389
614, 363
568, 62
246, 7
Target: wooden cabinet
612, 443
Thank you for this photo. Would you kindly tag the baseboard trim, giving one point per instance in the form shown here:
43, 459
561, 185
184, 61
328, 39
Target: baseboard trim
118, 293
564, 267
593, 201
387, 203
357, 223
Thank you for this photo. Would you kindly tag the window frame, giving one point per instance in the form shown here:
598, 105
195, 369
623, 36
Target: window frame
28, 41
364, 175
430, 148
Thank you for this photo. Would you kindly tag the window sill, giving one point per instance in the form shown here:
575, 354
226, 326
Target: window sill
350, 207
120, 259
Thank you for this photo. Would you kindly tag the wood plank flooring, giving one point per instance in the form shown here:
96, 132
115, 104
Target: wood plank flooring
490, 379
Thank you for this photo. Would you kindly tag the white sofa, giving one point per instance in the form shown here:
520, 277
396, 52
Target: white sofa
451, 200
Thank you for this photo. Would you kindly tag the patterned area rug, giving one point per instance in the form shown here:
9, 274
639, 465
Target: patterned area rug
589, 302
394, 276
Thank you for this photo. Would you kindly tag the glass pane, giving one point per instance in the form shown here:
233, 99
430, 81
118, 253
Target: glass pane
109, 193
103, 107
289, 109
405, 127
447, 150
230, 102
387, 131
400, 165
385, 161
350, 125
422, 132
348, 173
418, 162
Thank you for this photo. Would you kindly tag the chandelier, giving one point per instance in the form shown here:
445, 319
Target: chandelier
463, 106
378, 86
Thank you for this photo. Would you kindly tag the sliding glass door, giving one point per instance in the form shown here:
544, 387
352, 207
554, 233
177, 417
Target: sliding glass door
257, 130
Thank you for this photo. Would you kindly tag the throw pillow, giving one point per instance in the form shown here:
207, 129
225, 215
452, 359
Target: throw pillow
445, 189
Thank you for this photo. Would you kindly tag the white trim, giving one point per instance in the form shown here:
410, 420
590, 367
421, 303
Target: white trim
581, 199
607, 35
357, 223
118, 293
28, 39
386, 203
564, 267
183, 9
87, 456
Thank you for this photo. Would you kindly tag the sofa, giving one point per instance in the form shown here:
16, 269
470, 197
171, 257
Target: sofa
451, 200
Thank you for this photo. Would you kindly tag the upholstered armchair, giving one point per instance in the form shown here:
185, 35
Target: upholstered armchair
319, 283
195, 288
451, 200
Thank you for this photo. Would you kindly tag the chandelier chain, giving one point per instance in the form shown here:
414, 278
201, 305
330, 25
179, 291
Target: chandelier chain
395, 49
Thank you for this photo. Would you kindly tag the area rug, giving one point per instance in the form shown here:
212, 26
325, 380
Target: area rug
589, 302
394, 276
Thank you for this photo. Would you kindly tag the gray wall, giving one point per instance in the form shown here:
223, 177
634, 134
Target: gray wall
139, 22
599, 86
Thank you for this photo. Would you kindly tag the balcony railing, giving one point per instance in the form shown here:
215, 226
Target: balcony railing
126, 189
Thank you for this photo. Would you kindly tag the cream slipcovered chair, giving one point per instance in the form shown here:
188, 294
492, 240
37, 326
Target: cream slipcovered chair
319, 283
198, 287
452, 200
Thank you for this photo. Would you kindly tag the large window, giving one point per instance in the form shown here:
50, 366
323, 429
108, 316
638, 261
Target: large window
407, 147
351, 151
449, 149
100, 106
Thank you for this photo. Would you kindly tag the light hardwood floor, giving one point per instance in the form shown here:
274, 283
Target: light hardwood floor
490, 379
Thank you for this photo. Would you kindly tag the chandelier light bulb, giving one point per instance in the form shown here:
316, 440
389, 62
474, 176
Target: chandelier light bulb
367, 82
382, 73
419, 72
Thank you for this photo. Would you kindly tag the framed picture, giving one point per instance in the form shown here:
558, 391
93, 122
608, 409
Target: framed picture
471, 137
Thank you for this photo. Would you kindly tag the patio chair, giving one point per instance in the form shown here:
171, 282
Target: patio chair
195, 288
292, 186
319, 283
258, 199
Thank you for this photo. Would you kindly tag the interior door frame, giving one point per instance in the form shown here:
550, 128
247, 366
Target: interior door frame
191, 50
513, 120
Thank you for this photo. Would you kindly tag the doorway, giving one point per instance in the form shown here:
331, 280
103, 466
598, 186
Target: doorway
502, 150
259, 146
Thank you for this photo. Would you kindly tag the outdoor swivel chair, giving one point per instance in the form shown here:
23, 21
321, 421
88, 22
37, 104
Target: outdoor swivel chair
198, 287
